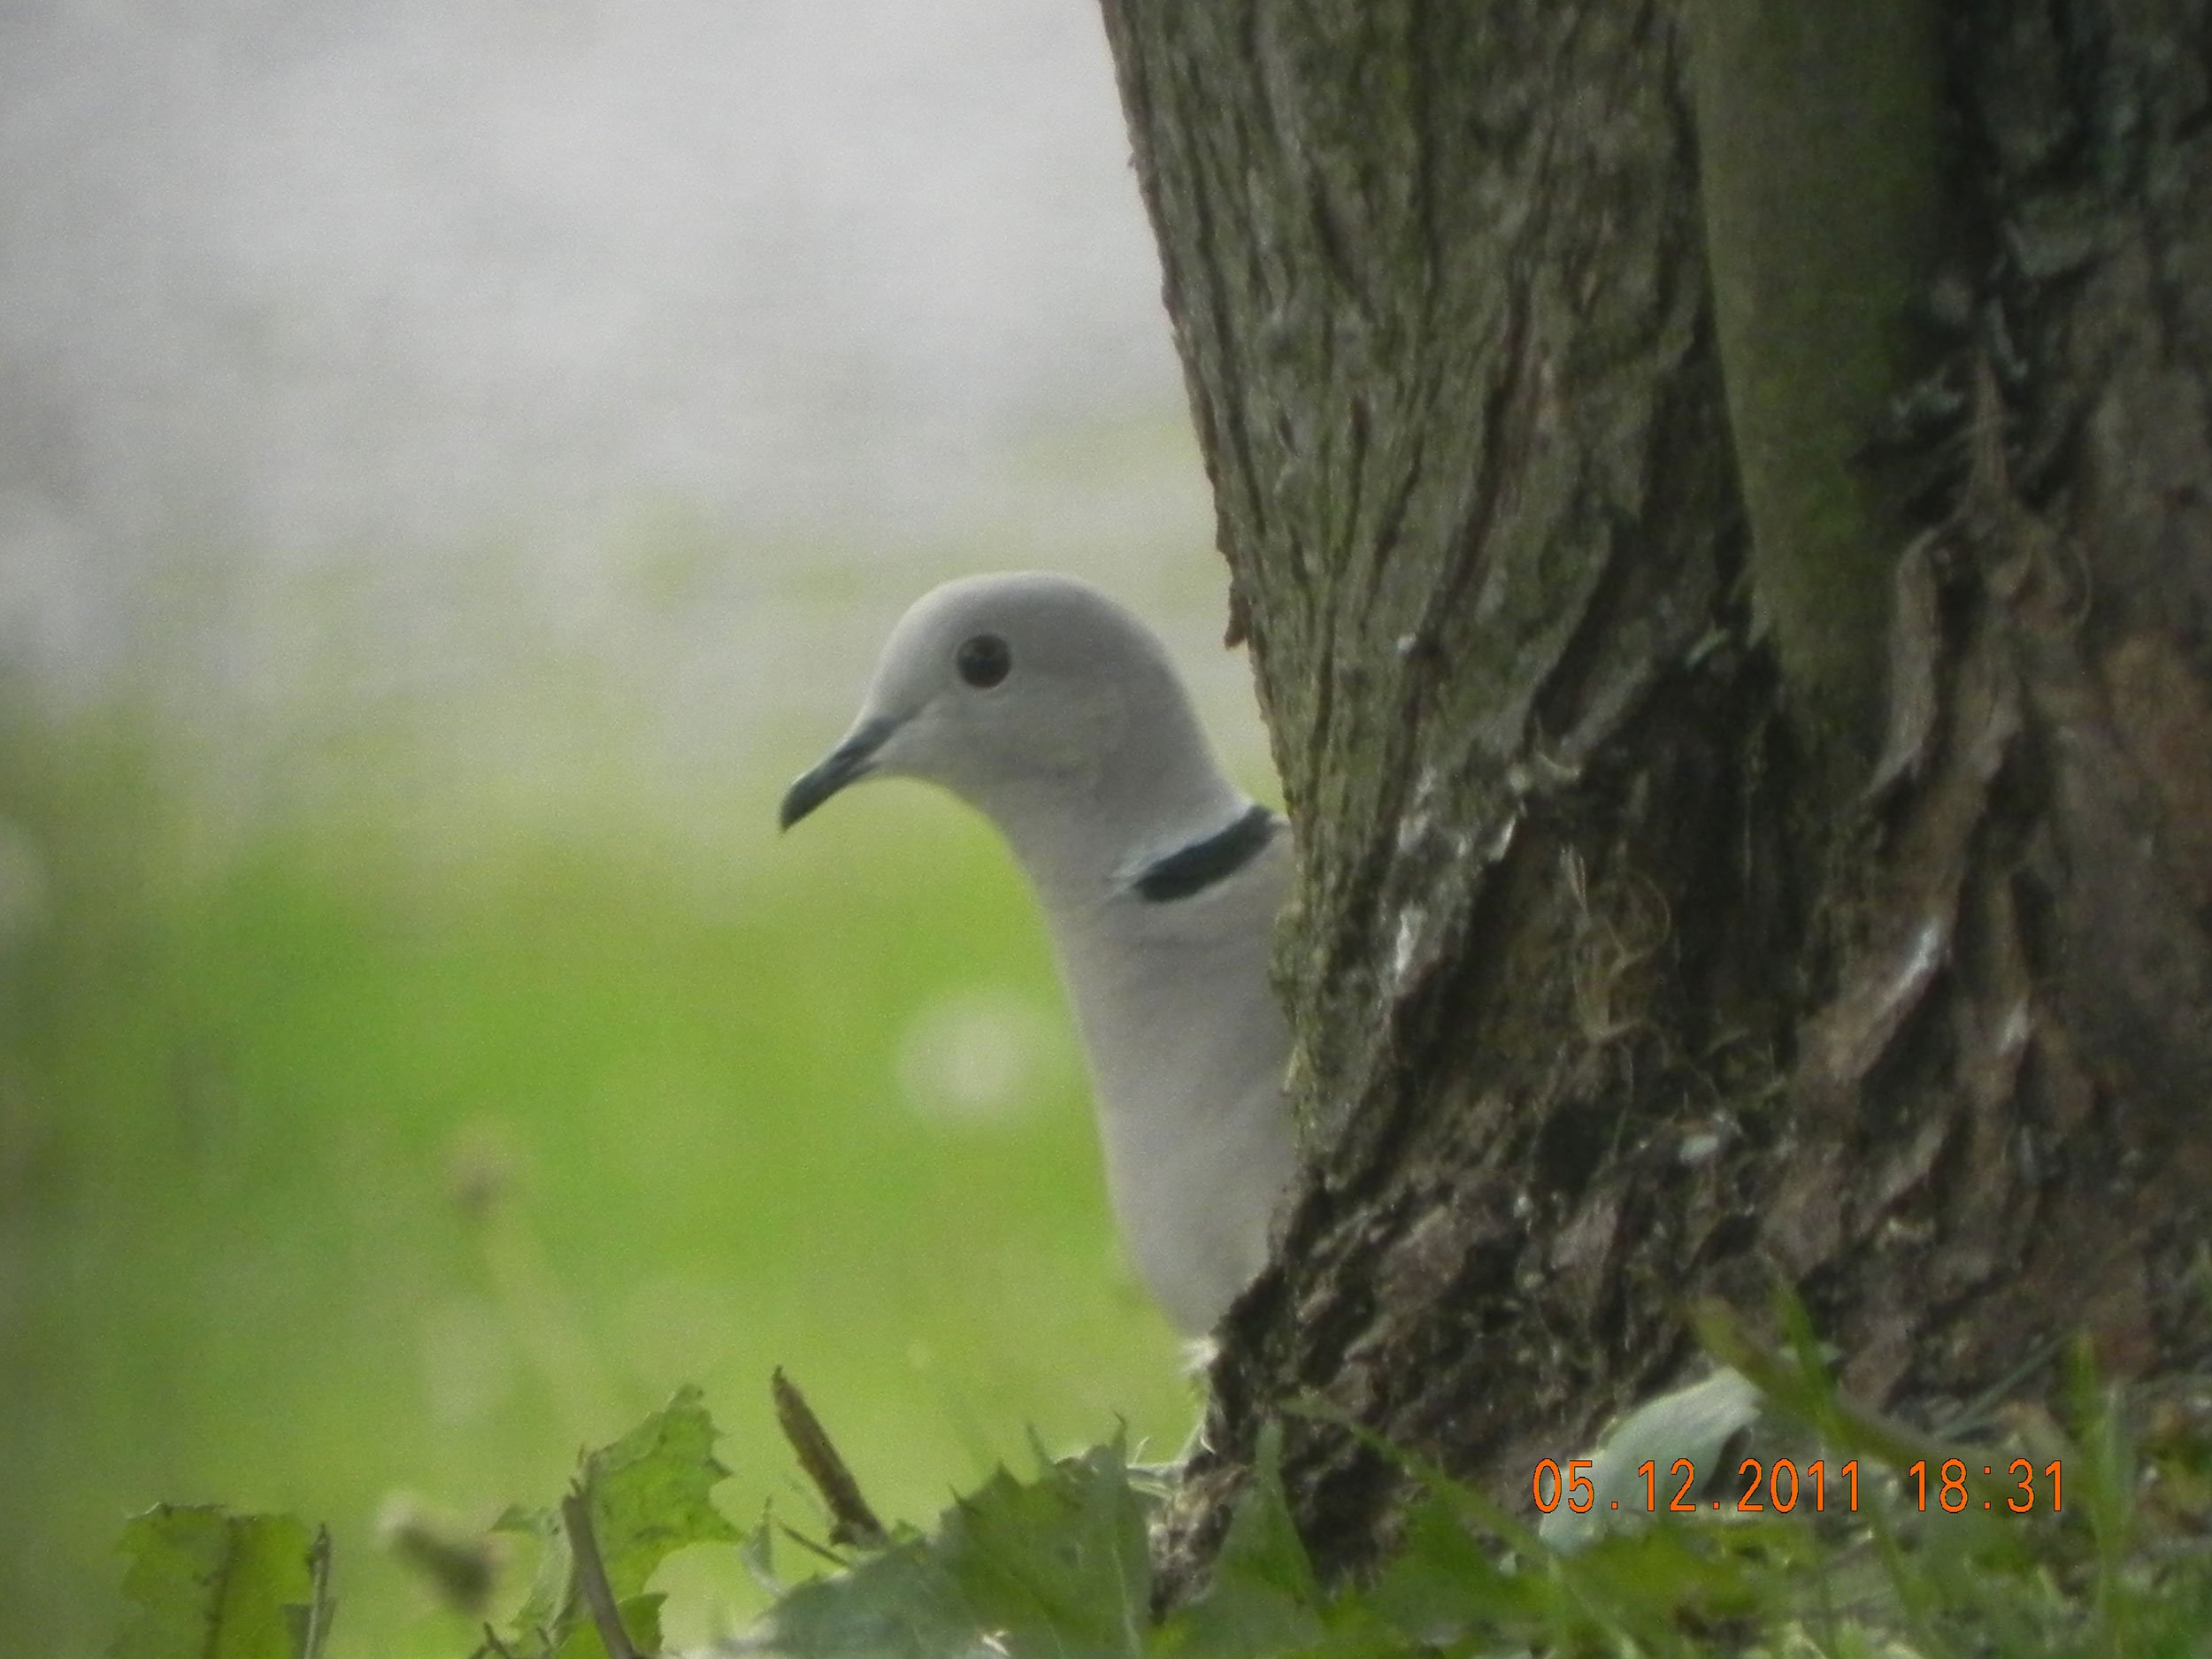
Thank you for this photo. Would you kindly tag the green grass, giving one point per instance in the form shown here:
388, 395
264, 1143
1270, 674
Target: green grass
342, 1165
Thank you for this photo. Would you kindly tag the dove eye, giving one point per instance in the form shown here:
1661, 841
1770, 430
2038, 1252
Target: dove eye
983, 660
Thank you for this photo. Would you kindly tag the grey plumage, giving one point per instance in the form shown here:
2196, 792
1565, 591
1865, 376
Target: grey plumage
1057, 714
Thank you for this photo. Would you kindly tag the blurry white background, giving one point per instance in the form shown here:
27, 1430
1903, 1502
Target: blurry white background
544, 376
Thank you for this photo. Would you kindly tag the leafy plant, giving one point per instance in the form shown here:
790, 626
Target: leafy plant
208, 1585
1059, 1566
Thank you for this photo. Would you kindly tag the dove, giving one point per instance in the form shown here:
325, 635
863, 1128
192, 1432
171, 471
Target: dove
1052, 710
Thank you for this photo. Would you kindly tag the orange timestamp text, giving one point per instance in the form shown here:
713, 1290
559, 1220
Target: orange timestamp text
1780, 1486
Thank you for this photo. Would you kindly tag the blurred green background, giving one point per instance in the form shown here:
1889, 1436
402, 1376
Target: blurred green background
354, 1169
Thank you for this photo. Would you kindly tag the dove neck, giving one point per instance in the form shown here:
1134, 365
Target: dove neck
1082, 845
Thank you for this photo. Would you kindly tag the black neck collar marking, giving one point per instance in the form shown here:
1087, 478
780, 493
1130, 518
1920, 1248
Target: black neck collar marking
1195, 868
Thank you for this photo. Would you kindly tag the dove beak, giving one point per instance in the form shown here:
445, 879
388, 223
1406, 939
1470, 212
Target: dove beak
847, 763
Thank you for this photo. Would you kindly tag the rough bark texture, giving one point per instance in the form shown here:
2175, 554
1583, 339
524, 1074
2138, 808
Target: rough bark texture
1604, 999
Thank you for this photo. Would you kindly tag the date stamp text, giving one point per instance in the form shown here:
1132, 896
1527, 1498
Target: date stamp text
1780, 1486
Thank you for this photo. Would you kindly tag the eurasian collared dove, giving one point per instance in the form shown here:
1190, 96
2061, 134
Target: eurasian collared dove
1058, 714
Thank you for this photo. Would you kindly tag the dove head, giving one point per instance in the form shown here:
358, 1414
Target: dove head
1047, 706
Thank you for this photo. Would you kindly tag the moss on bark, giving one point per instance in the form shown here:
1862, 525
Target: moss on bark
1820, 169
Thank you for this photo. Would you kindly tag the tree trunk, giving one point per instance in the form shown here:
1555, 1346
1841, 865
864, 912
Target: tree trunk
1725, 855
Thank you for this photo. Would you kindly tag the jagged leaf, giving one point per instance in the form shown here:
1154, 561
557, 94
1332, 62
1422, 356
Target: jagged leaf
1265, 1599
648, 1497
1056, 1566
208, 1585
650, 1491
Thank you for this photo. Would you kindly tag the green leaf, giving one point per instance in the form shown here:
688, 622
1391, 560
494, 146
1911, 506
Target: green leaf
208, 1585
1056, 1566
649, 1496
650, 1491
640, 1617
1265, 1599
1445, 1582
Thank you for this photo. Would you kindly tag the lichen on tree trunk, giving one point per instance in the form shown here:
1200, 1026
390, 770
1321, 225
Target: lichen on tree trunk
1603, 996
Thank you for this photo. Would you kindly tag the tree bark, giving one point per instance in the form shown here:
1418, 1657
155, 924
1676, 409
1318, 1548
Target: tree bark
1626, 968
